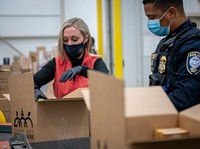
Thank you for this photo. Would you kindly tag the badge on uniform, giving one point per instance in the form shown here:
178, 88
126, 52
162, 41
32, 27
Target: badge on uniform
193, 62
153, 56
162, 64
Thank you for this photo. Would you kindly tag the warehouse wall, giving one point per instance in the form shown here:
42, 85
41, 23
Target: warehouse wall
27, 24
83, 9
132, 42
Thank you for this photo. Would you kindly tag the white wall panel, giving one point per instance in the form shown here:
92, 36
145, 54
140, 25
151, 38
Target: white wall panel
132, 42
192, 6
29, 17
29, 26
29, 7
86, 10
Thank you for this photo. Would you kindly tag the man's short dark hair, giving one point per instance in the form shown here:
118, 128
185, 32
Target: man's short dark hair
166, 4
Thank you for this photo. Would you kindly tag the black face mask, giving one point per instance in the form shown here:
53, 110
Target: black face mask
74, 51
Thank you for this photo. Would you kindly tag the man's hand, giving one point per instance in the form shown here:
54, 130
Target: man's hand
71, 73
39, 95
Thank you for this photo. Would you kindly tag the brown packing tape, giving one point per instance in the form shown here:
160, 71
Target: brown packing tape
170, 133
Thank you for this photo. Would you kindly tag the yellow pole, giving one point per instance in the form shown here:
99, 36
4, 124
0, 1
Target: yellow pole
117, 38
99, 28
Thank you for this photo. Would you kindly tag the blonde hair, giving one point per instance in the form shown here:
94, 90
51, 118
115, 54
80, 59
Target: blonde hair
79, 24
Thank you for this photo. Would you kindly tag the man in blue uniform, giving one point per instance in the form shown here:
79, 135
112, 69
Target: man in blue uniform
175, 64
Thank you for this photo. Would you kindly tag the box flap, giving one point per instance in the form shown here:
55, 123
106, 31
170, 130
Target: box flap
75, 95
189, 119
146, 109
126, 115
192, 112
107, 110
7, 96
21, 87
145, 101
86, 97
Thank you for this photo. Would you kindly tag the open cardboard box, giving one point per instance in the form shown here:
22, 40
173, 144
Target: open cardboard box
121, 118
124, 118
48, 120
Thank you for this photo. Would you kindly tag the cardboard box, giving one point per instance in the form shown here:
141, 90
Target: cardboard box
16, 68
146, 109
124, 118
5, 108
53, 119
189, 119
5, 66
25, 64
40, 49
34, 61
4, 87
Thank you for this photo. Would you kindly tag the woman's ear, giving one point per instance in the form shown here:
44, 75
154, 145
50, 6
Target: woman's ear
86, 38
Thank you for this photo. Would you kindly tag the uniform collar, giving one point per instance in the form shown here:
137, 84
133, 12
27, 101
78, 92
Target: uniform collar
181, 28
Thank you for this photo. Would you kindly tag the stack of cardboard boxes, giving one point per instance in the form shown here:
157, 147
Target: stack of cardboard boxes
21, 64
4, 87
39, 58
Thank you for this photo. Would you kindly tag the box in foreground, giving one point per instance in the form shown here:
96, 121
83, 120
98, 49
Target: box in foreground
54, 119
126, 118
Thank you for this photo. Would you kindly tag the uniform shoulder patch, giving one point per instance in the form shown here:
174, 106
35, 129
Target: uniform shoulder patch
193, 62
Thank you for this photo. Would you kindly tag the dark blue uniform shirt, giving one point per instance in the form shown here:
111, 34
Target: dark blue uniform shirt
177, 66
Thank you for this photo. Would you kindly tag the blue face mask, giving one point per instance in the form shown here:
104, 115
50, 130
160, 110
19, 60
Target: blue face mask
155, 27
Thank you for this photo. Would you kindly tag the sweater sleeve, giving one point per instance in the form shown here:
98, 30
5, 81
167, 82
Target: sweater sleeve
45, 74
99, 65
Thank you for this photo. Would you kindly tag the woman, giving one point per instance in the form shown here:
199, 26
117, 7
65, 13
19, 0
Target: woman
69, 68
